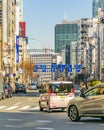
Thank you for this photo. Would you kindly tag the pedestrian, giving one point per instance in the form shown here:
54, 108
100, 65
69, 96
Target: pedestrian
83, 87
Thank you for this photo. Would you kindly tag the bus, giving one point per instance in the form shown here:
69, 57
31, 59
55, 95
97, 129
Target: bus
56, 95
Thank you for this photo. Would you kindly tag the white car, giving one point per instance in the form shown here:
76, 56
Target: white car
33, 86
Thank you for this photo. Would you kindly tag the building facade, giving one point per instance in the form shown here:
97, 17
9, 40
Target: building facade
95, 5
65, 33
46, 57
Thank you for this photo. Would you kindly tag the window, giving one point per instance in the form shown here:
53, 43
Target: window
60, 88
93, 92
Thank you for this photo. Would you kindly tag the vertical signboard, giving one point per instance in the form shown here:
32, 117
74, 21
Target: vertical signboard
17, 49
22, 29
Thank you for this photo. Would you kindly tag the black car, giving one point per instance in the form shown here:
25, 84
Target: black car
20, 88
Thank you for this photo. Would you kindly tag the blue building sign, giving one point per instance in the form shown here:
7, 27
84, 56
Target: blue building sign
78, 67
42, 67
17, 49
60, 67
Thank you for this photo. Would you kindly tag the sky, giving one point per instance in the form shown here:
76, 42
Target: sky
41, 16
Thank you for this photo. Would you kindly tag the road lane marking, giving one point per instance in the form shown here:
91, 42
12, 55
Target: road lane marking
15, 119
17, 103
25, 107
101, 124
12, 126
11, 108
1, 107
43, 128
43, 121
76, 123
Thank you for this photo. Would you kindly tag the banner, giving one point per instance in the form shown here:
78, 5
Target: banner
22, 29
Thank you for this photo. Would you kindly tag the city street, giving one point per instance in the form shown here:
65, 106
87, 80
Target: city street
22, 112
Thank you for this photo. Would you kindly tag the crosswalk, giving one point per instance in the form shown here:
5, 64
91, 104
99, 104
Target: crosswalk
16, 107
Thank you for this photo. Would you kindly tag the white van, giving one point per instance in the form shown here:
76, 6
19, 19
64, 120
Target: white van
56, 95
33, 86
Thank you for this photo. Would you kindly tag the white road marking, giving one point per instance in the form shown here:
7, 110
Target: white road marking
1, 107
43, 121
15, 119
43, 128
101, 124
79, 123
36, 108
12, 126
24, 108
17, 103
11, 108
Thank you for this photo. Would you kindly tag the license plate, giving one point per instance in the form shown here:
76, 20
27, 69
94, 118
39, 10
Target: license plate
62, 96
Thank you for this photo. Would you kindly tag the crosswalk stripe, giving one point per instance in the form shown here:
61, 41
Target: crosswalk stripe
17, 103
1, 107
19, 108
24, 108
36, 108
11, 108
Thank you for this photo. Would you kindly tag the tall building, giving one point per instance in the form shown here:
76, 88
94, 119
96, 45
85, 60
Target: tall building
0, 34
95, 5
7, 23
65, 33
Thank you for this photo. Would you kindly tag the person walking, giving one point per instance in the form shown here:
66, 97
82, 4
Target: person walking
83, 87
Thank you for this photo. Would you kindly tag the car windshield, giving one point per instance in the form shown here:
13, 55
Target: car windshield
60, 88
33, 84
20, 86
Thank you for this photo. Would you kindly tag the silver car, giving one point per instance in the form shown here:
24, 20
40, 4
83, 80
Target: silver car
87, 104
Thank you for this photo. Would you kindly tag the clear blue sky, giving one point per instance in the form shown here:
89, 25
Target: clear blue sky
41, 16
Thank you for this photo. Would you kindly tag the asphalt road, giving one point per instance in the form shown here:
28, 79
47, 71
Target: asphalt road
22, 112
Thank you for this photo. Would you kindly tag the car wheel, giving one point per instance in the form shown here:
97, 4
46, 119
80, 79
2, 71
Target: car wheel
73, 113
41, 109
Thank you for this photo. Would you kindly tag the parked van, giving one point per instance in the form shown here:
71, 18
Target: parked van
56, 95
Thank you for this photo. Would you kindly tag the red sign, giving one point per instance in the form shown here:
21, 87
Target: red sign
22, 29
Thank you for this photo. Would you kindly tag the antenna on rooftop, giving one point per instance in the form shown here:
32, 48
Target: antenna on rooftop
65, 15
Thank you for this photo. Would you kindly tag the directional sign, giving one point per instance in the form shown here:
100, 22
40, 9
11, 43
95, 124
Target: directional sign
43, 68
53, 67
78, 67
61, 67
69, 68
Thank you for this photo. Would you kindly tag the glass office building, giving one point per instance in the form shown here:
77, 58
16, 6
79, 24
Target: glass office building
65, 33
95, 5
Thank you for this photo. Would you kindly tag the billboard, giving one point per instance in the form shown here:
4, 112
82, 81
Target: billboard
22, 29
